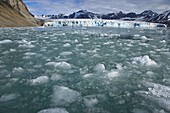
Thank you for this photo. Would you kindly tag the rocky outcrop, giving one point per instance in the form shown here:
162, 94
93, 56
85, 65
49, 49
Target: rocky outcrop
14, 13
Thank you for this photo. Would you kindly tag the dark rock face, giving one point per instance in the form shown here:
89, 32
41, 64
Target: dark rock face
14, 13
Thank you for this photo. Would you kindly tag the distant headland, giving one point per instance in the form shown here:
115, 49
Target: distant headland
14, 13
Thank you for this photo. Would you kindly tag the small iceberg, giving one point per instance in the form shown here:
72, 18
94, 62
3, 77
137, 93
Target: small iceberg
54, 110
63, 96
6, 41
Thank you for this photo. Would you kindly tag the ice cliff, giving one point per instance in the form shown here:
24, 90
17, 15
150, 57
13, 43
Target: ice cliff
101, 23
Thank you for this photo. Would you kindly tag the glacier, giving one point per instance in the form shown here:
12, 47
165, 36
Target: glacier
101, 23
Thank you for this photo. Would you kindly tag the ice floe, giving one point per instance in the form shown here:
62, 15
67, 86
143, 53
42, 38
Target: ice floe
8, 97
25, 44
88, 75
61, 65
17, 70
99, 68
67, 45
144, 60
66, 53
29, 53
157, 93
55, 77
137, 110
112, 74
6, 41
12, 50
90, 101
54, 110
39, 80
63, 96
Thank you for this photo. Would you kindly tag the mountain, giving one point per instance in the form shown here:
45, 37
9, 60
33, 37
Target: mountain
14, 13
162, 18
147, 16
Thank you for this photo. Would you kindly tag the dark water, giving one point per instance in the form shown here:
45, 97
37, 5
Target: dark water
84, 70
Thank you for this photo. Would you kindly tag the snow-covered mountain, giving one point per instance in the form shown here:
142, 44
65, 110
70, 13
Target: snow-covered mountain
147, 16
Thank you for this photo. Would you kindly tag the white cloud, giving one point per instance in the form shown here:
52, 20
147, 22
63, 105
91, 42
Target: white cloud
99, 6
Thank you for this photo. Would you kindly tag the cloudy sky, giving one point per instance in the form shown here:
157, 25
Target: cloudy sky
37, 7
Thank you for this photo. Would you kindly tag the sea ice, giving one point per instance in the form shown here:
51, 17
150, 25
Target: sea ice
99, 68
157, 93
90, 101
112, 74
17, 70
61, 65
12, 50
29, 53
54, 110
88, 75
63, 96
144, 60
67, 45
137, 110
8, 97
66, 53
55, 77
25, 44
39, 80
6, 41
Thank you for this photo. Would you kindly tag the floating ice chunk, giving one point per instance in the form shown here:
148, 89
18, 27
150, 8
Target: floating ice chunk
6, 41
17, 70
96, 110
61, 65
25, 44
63, 96
51, 64
136, 35
158, 89
88, 75
99, 68
39, 80
90, 101
144, 37
66, 45
79, 45
12, 50
8, 97
5, 52
137, 110
66, 53
144, 60
157, 93
119, 66
150, 73
76, 41
113, 74
162, 102
29, 53
54, 110
55, 77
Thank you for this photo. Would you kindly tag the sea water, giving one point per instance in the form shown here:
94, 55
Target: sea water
84, 70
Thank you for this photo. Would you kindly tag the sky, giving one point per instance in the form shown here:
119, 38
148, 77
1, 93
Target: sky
38, 7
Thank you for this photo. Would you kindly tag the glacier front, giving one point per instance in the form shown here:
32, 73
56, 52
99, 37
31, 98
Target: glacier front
101, 23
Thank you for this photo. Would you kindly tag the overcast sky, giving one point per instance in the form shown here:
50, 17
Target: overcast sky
98, 6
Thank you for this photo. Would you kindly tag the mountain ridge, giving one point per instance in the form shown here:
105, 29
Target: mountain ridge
14, 13
147, 16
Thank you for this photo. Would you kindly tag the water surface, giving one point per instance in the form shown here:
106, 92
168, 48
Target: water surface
84, 70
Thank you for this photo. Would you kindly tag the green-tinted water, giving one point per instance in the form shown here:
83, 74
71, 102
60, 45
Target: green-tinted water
84, 70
